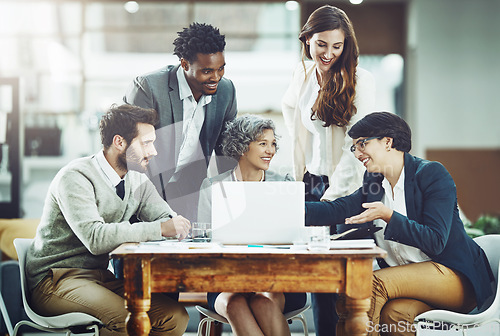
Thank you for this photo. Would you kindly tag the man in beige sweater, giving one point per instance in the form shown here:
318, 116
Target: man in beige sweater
86, 215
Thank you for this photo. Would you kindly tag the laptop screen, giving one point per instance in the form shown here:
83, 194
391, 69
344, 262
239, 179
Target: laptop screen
270, 212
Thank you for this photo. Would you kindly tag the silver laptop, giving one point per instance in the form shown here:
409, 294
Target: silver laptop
270, 212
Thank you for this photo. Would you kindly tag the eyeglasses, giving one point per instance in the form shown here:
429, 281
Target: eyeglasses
361, 144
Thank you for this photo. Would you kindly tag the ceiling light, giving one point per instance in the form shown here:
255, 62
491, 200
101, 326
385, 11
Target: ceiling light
131, 7
292, 5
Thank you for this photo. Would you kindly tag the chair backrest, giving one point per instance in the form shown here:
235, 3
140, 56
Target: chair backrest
59, 321
22, 245
491, 246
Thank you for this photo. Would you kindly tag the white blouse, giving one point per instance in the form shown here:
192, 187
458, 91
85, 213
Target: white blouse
397, 254
333, 156
316, 141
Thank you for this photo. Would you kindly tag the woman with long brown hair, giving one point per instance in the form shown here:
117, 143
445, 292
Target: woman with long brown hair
327, 95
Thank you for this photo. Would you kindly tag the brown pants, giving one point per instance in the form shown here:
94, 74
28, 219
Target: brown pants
100, 294
401, 293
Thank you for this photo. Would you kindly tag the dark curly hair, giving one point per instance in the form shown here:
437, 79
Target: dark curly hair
384, 124
198, 38
122, 120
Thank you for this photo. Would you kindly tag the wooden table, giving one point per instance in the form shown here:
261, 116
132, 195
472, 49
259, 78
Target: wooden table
165, 269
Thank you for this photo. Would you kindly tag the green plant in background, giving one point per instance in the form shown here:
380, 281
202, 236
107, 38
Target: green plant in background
468, 225
486, 224
472, 231
489, 224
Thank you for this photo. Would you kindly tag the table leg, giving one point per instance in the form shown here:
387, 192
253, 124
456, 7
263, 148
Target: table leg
353, 318
137, 273
353, 307
356, 322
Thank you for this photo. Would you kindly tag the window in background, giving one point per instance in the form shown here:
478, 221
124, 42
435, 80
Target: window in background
261, 47
78, 57
388, 73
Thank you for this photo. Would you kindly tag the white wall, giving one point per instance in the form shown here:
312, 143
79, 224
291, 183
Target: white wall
453, 74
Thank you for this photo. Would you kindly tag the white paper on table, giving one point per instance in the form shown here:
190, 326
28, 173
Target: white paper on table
353, 243
172, 246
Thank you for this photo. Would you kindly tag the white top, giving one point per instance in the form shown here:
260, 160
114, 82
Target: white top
316, 132
193, 118
107, 172
344, 171
397, 254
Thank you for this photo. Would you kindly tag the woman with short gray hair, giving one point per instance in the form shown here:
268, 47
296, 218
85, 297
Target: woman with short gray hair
250, 140
241, 132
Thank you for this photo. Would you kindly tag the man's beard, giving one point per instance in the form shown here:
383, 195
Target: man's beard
130, 160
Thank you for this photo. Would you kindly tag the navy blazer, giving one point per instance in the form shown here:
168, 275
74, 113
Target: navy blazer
160, 90
432, 223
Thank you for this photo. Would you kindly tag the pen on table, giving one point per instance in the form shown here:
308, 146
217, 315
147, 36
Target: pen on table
271, 246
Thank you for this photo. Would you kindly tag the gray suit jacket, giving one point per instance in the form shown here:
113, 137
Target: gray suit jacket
160, 90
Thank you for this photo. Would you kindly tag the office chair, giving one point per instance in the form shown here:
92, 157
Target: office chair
211, 316
69, 323
448, 320
5, 315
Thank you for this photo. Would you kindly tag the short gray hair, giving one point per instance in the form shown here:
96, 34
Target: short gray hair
242, 131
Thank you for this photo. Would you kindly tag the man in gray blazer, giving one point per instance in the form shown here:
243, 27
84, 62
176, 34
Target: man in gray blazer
194, 102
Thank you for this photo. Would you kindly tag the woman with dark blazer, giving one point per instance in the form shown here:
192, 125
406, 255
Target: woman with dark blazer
433, 264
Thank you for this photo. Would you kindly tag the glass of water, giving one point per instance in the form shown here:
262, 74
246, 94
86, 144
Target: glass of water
318, 238
201, 232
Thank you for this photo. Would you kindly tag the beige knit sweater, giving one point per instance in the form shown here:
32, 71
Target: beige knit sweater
83, 219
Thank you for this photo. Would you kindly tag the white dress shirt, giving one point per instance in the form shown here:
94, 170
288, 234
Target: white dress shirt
107, 172
397, 254
193, 118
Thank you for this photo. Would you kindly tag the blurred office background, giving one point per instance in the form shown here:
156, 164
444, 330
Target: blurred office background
64, 62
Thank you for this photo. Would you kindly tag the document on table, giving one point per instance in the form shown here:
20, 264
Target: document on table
355, 243
172, 246
256, 249
175, 246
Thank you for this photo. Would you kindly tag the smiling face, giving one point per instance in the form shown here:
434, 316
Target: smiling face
325, 48
204, 74
260, 152
138, 153
372, 153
